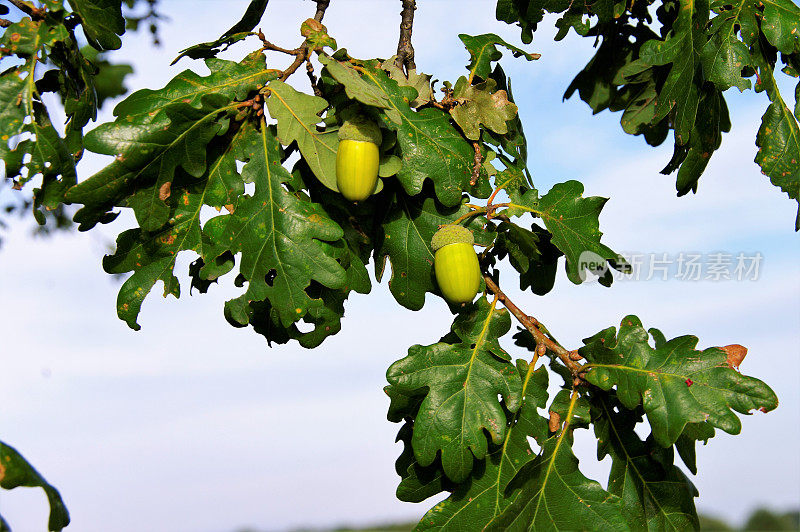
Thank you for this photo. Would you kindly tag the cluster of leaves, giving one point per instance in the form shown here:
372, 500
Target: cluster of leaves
300, 249
472, 427
670, 73
40, 54
237, 169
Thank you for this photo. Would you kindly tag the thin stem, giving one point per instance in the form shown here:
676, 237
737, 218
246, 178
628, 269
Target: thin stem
266, 45
405, 50
470, 214
312, 78
532, 325
322, 5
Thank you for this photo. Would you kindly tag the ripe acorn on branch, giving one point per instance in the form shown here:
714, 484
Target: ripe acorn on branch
358, 158
455, 264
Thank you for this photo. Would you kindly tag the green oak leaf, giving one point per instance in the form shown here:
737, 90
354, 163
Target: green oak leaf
580, 415
28, 140
419, 82
463, 381
151, 255
778, 141
573, 222
706, 137
531, 253
16, 472
102, 22
28, 37
237, 32
417, 482
656, 494
481, 104
408, 226
354, 85
473, 504
552, 494
483, 52
686, 443
780, 23
518, 243
298, 115
326, 318
39, 148
681, 50
513, 142
279, 230
724, 55
675, 383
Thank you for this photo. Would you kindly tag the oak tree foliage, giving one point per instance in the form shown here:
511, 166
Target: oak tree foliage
477, 421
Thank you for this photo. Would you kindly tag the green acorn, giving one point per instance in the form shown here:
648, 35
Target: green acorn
357, 158
456, 264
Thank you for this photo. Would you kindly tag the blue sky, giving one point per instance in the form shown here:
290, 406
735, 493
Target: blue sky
190, 424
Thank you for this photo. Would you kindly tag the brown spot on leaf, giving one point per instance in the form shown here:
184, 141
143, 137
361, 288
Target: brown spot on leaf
15, 37
555, 422
736, 354
164, 191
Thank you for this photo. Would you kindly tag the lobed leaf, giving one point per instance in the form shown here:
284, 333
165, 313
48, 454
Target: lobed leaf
481, 104
463, 381
483, 52
102, 22
554, 495
655, 493
675, 383
298, 115
574, 224
473, 504
16, 472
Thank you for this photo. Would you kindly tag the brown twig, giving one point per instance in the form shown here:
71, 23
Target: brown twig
301, 57
322, 5
266, 45
312, 78
532, 325
476, 167
4, 23
34, 12
405, 50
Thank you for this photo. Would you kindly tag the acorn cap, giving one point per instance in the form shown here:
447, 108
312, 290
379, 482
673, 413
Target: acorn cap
361, 129
451, 234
